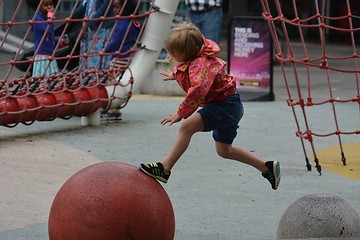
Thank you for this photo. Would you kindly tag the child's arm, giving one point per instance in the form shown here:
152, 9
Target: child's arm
175, 117
40, 28
117, 37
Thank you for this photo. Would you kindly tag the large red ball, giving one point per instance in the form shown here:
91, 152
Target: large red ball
111, 200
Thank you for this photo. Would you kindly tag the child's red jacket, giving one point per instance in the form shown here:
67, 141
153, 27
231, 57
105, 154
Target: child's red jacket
204, 79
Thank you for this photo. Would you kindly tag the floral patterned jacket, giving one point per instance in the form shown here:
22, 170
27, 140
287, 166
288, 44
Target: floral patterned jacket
204, 79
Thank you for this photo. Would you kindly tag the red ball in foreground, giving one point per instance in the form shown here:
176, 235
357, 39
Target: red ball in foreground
111, 200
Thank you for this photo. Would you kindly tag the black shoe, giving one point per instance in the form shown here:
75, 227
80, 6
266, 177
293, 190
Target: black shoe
111, 116
155, 170
273, 174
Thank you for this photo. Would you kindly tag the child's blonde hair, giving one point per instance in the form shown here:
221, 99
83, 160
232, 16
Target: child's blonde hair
184, 42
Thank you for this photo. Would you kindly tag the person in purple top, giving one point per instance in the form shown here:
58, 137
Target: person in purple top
126, 31
44, 43
44, 39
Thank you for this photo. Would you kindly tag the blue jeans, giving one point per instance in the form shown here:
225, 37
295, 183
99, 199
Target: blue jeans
209, 23
223, 118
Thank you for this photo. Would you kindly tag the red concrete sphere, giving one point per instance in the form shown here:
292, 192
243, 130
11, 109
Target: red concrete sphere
109, 201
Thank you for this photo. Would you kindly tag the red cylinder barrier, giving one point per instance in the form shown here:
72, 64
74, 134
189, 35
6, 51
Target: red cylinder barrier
28, 107
66, 101
9, 108
48, 108
90, 100
85, 107
99, 93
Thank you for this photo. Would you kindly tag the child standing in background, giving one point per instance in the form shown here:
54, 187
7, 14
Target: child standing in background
43, 48
121, 34
202, 75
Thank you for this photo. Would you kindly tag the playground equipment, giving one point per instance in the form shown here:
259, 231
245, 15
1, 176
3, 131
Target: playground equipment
67, 94
319, 216
291, 21
111, 200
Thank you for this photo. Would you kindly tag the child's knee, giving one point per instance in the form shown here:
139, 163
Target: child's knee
222, 152
188, 127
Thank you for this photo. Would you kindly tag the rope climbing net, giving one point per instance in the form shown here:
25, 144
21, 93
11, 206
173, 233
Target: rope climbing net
73, 90
290, 22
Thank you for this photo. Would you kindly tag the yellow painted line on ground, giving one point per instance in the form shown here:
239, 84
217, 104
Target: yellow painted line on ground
330, 159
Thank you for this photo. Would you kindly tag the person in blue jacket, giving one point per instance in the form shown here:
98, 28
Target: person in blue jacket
126, 30
44, 39
43, 49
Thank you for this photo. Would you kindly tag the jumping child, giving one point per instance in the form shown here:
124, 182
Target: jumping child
202, 75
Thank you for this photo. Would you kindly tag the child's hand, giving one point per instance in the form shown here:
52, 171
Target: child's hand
50, 14
172, 118
168, 75
64, 42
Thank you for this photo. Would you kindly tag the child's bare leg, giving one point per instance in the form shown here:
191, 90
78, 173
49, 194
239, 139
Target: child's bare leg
240, 154
190, 126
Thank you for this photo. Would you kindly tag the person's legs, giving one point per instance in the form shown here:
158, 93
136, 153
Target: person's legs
212, 25
240, 154
190, 126
270, 170
162, 170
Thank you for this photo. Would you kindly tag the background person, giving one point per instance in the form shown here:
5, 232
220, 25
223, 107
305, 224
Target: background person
121, 33
94, 39
207, 15
44, 45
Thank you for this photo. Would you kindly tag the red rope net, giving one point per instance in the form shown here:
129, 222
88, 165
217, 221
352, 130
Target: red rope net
72, 91
289, 22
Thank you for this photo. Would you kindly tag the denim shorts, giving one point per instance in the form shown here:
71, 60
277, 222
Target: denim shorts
223, 118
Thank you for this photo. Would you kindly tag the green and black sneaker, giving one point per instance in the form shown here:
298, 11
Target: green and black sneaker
273, 173
155, 170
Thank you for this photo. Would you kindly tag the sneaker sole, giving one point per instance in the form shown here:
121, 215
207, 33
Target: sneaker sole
161, 179
110, 119
277, 173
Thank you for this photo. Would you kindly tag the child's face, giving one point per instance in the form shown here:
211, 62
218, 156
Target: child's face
46, 6
117, 7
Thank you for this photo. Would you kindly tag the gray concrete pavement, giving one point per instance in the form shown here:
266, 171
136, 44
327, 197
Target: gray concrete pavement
212, 198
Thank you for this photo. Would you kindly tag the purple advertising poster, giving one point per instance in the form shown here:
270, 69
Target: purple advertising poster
250, 56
